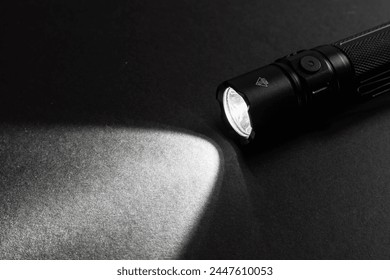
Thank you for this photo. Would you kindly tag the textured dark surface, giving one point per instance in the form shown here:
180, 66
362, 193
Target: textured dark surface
79, 80
369, 51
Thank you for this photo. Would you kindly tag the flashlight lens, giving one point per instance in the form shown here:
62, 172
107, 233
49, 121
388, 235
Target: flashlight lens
236, 111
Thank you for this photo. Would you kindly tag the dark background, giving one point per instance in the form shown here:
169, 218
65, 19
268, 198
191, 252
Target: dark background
318, 194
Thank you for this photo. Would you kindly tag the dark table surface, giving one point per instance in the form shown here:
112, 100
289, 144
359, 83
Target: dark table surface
111, 145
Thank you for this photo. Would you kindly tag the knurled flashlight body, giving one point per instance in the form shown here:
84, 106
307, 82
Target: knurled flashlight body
357, 67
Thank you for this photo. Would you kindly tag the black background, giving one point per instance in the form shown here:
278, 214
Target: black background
321, 193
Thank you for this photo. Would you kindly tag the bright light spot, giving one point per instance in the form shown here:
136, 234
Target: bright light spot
105, 192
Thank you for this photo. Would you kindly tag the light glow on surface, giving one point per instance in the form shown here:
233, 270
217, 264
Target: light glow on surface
103, 192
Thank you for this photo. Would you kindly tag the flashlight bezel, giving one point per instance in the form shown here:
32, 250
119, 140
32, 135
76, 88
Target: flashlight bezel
235, 123
220, 97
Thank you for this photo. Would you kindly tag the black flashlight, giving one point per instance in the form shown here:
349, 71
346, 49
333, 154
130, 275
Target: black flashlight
354, 68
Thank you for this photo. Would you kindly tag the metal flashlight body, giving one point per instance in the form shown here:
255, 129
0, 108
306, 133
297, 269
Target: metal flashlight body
354, 68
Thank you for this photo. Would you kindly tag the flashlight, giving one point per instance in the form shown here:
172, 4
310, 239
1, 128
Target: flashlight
355, 68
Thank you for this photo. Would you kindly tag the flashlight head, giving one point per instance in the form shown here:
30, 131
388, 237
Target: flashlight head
273, 97
254, 100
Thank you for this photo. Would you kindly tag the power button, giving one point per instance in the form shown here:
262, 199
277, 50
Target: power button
310, 63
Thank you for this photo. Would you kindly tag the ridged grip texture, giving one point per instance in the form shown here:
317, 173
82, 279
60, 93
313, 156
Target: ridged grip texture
369, 51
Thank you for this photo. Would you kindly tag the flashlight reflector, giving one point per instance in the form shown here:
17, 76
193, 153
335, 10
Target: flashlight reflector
236, 111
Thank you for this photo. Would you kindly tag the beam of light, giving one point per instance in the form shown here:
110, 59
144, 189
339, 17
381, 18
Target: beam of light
101, 192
